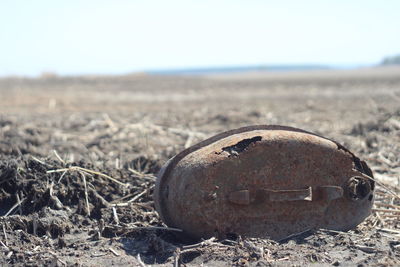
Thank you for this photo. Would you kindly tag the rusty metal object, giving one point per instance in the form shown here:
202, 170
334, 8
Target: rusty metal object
263, 181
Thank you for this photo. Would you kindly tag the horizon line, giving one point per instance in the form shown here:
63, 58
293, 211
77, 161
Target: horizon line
193, 70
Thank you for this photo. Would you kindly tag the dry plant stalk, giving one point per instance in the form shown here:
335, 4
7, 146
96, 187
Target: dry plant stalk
77, 168
86, 193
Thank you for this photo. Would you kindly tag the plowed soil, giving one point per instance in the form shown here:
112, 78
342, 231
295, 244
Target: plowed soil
79, 156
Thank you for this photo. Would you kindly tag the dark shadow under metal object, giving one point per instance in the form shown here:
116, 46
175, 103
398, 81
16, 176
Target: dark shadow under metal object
263, 181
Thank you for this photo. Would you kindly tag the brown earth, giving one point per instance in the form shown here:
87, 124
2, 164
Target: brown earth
78, 158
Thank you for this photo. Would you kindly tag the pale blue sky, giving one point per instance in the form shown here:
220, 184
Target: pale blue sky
121, 36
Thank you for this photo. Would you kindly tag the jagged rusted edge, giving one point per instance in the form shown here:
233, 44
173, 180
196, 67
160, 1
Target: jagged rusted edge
163, 175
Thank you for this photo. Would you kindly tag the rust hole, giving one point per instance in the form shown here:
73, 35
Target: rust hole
358, 188
241, 146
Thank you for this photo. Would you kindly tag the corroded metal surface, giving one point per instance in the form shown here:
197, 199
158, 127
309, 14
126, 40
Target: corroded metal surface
263, 181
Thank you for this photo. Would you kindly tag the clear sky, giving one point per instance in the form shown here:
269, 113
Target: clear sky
122, 36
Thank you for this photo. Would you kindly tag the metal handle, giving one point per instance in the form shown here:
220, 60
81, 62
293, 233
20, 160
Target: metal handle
319, 193
289, 195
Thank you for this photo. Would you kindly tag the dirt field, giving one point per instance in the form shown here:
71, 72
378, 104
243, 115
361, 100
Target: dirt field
78, 158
